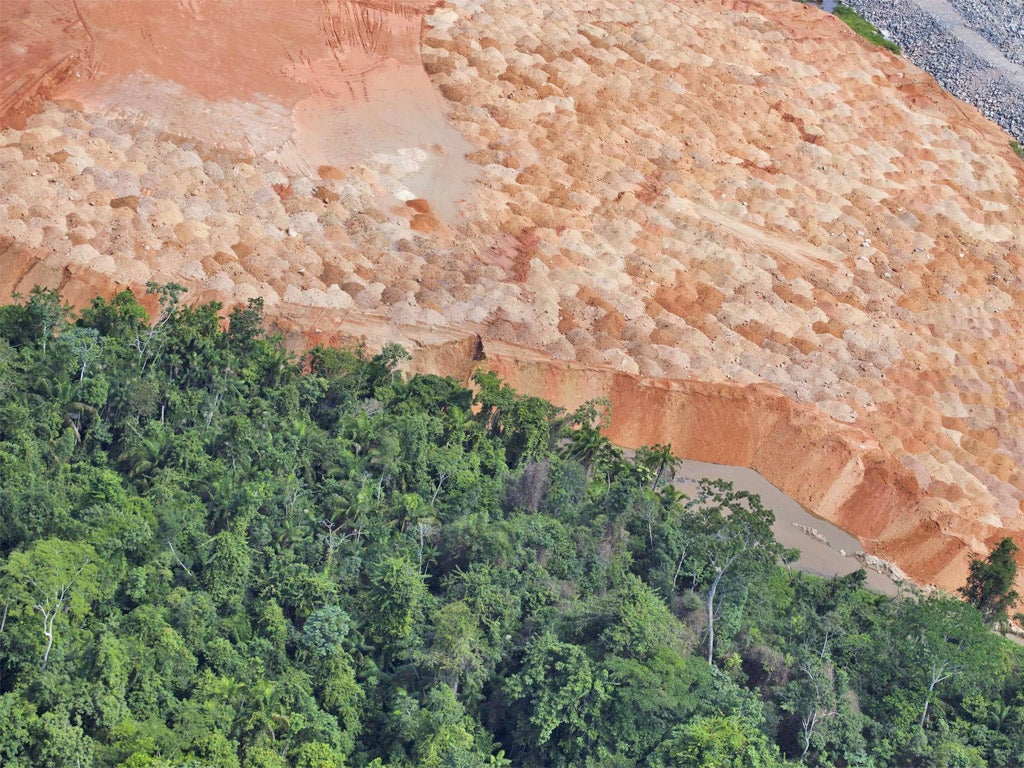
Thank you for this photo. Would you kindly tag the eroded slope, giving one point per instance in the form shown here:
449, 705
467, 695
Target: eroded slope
739, 194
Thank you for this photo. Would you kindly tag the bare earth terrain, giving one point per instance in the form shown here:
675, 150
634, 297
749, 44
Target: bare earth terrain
766, 242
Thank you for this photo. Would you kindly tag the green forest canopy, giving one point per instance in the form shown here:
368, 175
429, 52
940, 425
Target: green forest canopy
213, 553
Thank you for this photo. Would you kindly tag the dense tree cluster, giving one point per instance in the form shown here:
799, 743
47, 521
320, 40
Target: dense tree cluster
215, 554
989, 586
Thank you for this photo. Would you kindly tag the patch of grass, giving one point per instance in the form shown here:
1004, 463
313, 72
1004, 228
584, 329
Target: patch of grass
1017, 148
864, 28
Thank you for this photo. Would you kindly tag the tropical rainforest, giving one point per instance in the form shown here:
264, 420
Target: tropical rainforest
214, 552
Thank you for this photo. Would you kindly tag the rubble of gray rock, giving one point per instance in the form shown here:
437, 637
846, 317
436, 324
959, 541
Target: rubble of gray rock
1001, 22
934, 48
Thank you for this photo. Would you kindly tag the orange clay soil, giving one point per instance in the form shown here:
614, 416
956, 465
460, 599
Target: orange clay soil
765, 241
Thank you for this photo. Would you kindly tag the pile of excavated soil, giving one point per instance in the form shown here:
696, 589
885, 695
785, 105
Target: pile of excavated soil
769, 243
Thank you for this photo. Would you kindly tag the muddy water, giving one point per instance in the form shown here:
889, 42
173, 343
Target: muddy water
825, 549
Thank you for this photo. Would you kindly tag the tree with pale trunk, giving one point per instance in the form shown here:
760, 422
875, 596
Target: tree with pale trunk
732, 536
54, 578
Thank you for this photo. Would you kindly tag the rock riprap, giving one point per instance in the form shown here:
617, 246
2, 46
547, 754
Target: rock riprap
999, 22
740, 201
974, 48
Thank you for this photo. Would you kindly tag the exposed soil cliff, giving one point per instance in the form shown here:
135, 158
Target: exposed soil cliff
838, 471
765, 241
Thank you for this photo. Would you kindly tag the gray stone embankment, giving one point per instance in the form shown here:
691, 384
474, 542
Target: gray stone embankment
973, 48
1001, 22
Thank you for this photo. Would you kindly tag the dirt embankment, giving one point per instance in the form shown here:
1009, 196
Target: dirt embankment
839, 472
41, 46
765, 241
306, 83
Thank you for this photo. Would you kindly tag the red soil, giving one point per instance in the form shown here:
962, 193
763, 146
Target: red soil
767, 243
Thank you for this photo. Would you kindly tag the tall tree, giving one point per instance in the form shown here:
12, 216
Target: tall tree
557, 697
734, 535
57, 577
944, 644
989, 586
658, 459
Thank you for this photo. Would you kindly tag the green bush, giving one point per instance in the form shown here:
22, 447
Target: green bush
864, 28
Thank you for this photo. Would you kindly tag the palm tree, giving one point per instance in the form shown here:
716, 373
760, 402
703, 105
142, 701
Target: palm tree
589, 447
148, 454
658, 459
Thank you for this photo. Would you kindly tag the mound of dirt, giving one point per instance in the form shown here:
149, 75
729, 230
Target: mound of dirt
304, 84
769, 243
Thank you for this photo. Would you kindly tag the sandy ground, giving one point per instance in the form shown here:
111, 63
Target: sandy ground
741, 195
305, 84
40, 46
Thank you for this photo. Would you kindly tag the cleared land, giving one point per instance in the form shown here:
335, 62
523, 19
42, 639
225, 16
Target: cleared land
768, 243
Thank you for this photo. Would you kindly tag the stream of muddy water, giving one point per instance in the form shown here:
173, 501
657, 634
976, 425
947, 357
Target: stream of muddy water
825, 549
